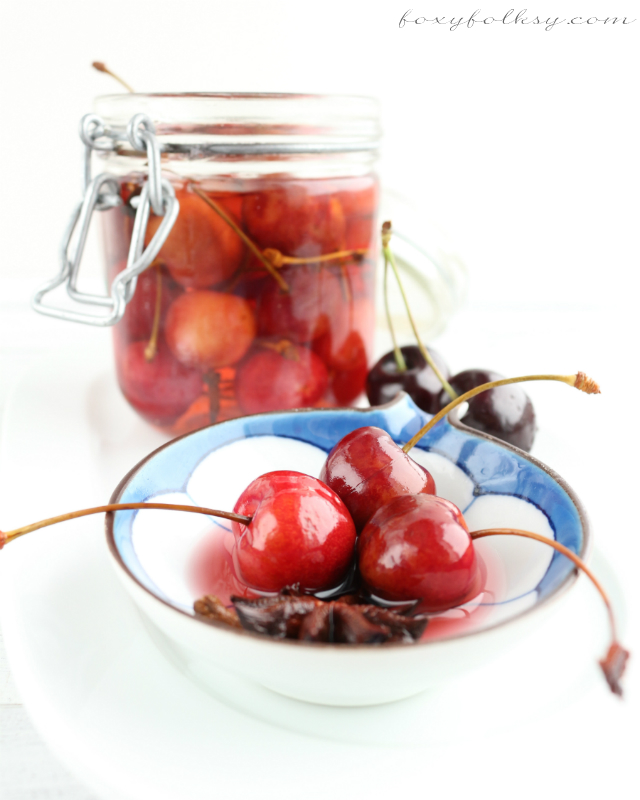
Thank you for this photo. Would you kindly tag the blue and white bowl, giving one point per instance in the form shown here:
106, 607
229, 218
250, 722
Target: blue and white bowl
156, 553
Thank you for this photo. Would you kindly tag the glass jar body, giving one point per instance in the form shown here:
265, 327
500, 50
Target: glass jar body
262, 297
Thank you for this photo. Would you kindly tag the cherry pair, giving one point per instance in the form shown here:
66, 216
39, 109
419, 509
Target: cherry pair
505, 412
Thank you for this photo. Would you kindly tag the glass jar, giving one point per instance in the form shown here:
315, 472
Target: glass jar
262, 296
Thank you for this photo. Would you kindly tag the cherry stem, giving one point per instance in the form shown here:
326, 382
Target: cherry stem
397, 352
283, 348
389, 257
102, 67
253, 247
613, 664
346, 291
152, 346
561, 549
277, 259
9, 536
579, 381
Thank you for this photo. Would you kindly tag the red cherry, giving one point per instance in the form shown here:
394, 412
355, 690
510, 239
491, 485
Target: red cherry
160, 389
361, 278
350, 370
418, 547
360, 233
301, 314
359, 198
300, 532
343, 348
208, 330
201, 250
367, 470
292, 219
273, 379
359, 205
139, 314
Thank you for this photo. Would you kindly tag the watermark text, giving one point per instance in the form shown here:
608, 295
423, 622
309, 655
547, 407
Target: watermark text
512, 17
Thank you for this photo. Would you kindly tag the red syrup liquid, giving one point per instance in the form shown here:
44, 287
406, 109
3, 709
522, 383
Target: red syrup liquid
225, 328
212, 572
476, 611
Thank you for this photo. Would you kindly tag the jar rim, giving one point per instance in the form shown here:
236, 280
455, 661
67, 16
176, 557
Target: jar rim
238, 95
250, 121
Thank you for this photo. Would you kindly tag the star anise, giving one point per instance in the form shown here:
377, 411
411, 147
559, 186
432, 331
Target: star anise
211, 607
292, 616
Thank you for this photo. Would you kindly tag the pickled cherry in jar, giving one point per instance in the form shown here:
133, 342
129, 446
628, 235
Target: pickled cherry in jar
262, 296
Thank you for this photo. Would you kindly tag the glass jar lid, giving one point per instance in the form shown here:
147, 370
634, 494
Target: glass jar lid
198, 125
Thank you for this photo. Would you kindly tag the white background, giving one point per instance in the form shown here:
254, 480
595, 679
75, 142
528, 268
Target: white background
522, 143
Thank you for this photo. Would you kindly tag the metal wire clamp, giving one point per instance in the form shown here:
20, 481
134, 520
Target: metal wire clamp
100, 194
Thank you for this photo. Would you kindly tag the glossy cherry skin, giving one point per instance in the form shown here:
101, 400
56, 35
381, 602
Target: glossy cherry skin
367, 469
268, 380
300, 532
419, 381
208, 330
202, 249
161, 389
505, 412
418, 547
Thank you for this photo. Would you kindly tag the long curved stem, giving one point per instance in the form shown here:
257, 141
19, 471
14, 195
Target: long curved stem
397, 352
152, 345
9, 536
579, 381
614, 662
561, 549
277, 259
249, 243
391, 259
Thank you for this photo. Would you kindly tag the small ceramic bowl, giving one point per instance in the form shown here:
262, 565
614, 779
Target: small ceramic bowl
158, 555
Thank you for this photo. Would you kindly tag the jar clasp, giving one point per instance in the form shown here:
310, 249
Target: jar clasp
100, 194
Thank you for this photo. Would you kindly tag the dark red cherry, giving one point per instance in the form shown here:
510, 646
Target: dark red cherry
161, 389
300, 532
385, 381
418, 547
367, 469
279, 375
505, 412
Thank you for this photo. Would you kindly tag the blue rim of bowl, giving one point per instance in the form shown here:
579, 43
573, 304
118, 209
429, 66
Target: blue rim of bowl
455, 423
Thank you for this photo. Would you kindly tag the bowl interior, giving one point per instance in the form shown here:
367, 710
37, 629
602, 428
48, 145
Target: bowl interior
493, 484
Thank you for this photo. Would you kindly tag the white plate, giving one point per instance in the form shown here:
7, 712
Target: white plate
131, 725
